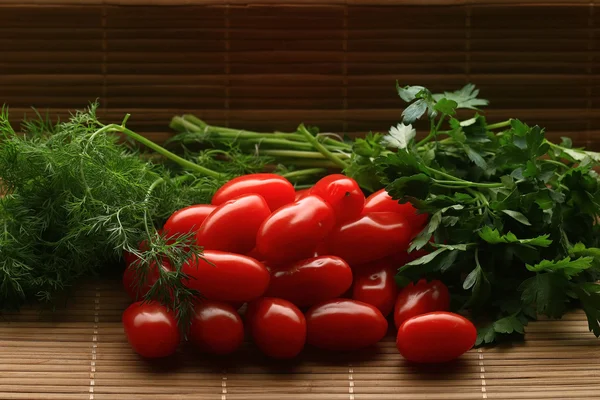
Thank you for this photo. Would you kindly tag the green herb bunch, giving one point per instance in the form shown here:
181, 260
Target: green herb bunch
75, 198
514, 217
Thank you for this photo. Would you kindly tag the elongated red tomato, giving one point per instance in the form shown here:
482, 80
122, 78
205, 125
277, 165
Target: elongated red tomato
302, 193
344, 325
435, 337
278, 327
421, 298
369, 237
275, 189
232, 226
227, 277
136, 290
374, 284
381, 201
216, 328
343, 194
293, 232
188, 219
311, 281
151, 329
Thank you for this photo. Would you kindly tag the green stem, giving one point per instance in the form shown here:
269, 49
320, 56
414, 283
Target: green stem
301, 187
305, 172
499, 124
557, 163
297, 154
311, 163
161, 150
322, 149
466, 184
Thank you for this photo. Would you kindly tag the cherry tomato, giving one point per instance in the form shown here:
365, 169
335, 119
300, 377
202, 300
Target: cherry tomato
435, 337
374, 284
422, 298
293, 232
232, 226
138, 291
151, 329
278, 327
344, 325
381, 201
369, 237
226, 277
343, 194
188, 219
216, 328
275, 189
311, 281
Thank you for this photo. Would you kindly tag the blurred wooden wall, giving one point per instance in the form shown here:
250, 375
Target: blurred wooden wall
271, 65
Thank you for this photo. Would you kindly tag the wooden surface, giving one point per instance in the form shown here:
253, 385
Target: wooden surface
270, 65
81, 353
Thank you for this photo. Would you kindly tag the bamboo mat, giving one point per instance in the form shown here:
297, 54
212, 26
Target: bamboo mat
269, 65
80, 352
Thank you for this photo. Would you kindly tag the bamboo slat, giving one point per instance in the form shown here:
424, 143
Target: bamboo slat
271, 65
80, 352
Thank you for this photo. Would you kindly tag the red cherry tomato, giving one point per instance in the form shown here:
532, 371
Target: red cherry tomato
293, 232
232, 226
138, 291
422, 298
278, 327
381, 201
435, 337
343, 194
151, 329
311, 281
374, 284
226, 277
344, 325
275, 189
302, 193
188, 219
369, 237
216, 328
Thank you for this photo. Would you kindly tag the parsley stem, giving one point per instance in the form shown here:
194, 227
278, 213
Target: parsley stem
161, 150
557, 163
502, 124
305, 172
467, 184
322, 149
297, 154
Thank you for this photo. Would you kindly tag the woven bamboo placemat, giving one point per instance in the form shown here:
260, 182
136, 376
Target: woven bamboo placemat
80, 352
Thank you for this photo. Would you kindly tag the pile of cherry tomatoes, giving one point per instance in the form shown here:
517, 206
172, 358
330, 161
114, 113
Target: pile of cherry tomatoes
314, 267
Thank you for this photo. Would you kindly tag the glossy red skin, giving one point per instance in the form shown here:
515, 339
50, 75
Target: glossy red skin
151, 330
216, 328
137, 292
232, 226
311, 281
232, 278
420, 298
278, 327
275, 189
435, 337
188, 219
302, 193
381, 201
344, 325
293, 232
374, 284
369, 237
343, 194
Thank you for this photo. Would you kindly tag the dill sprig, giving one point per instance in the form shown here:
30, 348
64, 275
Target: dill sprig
76, 197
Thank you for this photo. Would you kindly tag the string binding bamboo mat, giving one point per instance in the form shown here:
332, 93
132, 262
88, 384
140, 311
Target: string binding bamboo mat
269, 65
80, 352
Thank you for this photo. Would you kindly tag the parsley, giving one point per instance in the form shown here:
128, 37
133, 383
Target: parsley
523, 210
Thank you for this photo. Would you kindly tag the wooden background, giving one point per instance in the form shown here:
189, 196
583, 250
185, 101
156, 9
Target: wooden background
273, 64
